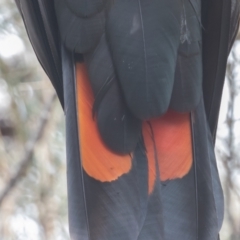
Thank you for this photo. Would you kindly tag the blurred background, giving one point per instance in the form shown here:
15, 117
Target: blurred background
33, 194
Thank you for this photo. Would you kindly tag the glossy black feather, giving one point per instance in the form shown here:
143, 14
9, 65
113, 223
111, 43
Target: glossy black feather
85, 8
78, 34
153, 227
144, 43
216, 184
41, 26
217, 39
187, 89
119, 129
78, 222
210, 195
180, 208
116, 210
189, 208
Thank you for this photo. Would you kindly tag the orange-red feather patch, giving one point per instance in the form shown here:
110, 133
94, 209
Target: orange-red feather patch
167, 140
150, 151
172, 146
98, 161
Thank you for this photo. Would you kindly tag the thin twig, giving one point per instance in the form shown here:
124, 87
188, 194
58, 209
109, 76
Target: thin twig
29, 150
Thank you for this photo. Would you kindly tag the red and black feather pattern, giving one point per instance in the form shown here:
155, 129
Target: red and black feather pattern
140, 153
144, 194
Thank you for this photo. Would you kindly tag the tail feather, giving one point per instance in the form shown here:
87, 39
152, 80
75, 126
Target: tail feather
121, 184
151, 193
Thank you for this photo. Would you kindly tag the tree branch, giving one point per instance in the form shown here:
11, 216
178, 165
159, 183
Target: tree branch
29, 149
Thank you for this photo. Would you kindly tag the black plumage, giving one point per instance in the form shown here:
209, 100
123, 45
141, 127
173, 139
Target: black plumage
85, 8
143, 57
187, 89
153, 66
144, 52
119, 129
78, 34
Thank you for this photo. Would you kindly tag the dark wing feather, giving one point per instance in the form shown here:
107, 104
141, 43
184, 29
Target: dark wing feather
40, 22
85, 8
78, 34
180, 208
78, 222
116, 210
217, 40
187, 88
235, 18
144, 52
193, 205
209, 193
186, 209
118, 127
153, 227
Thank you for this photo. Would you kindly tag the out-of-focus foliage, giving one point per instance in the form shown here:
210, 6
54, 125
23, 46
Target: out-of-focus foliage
228, 145
36, 207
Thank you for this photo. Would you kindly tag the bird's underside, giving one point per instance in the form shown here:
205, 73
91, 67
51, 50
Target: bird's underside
133, 76
142, 58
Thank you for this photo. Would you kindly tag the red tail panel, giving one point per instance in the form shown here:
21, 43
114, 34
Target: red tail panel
98, 161
170, 145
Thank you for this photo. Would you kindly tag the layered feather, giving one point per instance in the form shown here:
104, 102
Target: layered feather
133, 201
119, 128
187, 89
41, 25
143, 68
85, 8
144, 43
78, 34
149, 198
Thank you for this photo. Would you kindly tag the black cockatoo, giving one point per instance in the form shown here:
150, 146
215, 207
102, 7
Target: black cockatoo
140, 82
